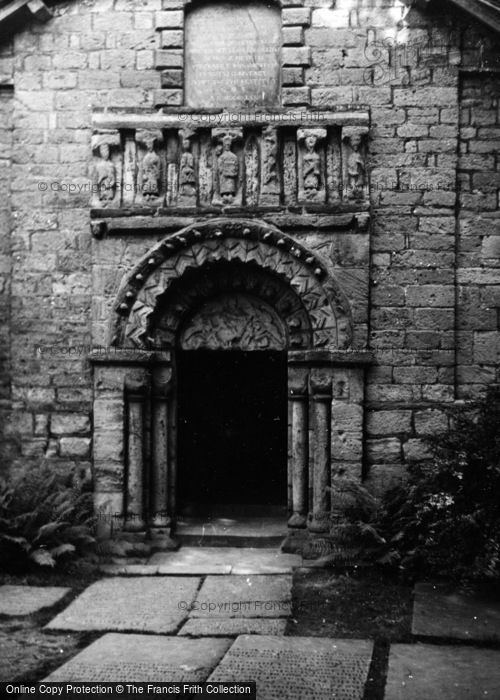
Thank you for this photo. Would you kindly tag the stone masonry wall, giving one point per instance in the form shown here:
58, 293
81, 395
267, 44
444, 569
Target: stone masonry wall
103, 53
478, 292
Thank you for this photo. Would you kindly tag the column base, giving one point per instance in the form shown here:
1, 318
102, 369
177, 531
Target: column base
162, 540
294, 542
134, 525
297, 520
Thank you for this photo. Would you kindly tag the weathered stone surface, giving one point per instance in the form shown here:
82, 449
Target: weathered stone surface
151, 604
224, 560
298, 667
243, 596
143, 658
438, 613
225, 627
69, 423
24, 600
232, 56
433, 672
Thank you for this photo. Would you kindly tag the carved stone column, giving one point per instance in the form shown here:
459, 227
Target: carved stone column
322, 401
136, 394
160, 515
299, 454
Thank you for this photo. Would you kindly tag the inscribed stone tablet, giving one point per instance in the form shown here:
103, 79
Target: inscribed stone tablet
143, 658
286, 668
244, 596
203, 627
434, 672
24, 600
232, 55
141, 604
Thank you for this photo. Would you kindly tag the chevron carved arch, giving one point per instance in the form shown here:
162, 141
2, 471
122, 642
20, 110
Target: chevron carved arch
259, 249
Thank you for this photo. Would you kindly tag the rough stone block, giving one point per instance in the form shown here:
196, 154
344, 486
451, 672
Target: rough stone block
167, 98
430, 422
74, 447
69, 424
293, 76
296, 56
296, 15
384, 450
168, 59
172, 78
416, 450
170, 19
388, 422
172, 39
296, 95
293, 36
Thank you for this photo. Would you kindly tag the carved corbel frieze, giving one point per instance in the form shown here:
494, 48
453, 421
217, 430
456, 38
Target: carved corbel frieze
106, 170
311, 176
227, 167
150, 166
354, 148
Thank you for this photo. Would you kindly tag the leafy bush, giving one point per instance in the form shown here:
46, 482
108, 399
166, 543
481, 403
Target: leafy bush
445, 522
42, 520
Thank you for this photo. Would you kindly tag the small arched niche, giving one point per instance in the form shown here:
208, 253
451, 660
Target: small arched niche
232, 54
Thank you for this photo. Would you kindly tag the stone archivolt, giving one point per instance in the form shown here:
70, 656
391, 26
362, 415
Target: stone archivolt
314, 310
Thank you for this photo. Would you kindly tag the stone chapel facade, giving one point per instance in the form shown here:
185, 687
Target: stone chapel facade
311, 184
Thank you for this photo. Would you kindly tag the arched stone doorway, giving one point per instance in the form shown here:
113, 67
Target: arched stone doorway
232, 290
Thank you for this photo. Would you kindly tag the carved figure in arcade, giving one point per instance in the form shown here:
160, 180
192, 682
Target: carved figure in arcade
104, 176
150, 166
187, 176
356, 171
227, 169
311, 180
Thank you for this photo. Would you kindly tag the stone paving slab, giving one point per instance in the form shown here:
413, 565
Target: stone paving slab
418, 671
224, 560
145, 604
203, 627
128, 570
439, 614
296, 668
25, 600
144, 658
244, 596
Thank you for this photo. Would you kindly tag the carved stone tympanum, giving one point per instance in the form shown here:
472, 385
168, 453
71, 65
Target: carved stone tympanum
234, 322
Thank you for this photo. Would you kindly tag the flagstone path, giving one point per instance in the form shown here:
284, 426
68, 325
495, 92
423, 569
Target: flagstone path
221, 614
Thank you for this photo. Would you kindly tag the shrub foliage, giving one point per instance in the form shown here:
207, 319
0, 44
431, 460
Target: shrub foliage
42, 520
445, 522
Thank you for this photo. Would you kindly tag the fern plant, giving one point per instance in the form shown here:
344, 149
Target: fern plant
445, 522
43, 520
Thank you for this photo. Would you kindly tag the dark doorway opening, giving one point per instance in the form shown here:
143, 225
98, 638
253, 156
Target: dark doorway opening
232, 430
